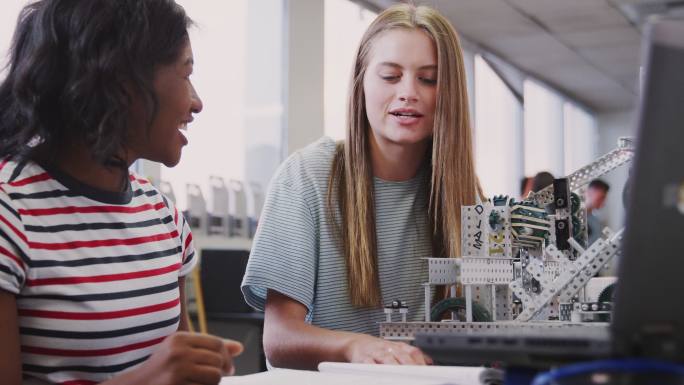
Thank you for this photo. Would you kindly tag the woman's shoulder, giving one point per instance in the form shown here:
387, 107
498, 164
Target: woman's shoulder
309, 165
12, 171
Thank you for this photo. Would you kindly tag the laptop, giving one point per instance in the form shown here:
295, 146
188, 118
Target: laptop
648, 317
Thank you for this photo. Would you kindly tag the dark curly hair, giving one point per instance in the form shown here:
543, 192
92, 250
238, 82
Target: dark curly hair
73, 67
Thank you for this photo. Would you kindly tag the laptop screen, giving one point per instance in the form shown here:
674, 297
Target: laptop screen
649, 312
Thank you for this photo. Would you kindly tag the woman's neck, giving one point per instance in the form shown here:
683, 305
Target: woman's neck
396, 162
78, 163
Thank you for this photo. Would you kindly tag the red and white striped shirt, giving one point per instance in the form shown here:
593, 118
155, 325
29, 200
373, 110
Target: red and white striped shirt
95, 273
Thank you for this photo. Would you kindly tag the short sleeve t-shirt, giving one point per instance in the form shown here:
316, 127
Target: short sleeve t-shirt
295, 251
95, 273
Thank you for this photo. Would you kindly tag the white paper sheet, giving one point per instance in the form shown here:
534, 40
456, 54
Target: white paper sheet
361, 374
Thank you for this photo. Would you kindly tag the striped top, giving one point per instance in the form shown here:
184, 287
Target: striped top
295, 252
95, 273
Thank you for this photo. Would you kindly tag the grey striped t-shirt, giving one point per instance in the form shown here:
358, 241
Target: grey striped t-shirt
295, 251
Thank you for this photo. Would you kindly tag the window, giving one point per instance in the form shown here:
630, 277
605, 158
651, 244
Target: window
581, 137
544, 149
8, 20
217, 136
238, 59
498, 133
345, 23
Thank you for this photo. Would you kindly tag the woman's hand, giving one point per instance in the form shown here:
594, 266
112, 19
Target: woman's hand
371, 350
188, 358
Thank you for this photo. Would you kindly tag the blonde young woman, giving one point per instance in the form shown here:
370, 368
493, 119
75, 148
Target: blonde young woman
345, 225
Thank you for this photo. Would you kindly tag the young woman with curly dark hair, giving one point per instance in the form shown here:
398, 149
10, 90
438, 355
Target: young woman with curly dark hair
93, 257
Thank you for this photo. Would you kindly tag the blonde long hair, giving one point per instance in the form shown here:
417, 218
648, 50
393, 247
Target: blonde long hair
453, 179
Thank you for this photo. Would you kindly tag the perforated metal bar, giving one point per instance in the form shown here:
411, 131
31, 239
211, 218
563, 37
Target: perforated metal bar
406, 331
484, 271
443, 271
573, 277
586, 174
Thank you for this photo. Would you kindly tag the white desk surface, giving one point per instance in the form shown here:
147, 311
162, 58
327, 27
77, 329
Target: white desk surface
360, 374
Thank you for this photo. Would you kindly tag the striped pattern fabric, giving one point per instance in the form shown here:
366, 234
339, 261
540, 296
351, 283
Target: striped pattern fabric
295, 251
95, 273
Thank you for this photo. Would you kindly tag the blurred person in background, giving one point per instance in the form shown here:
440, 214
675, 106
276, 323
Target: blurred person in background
595, 199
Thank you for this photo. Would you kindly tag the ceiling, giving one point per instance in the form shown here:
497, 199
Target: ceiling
589, 50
